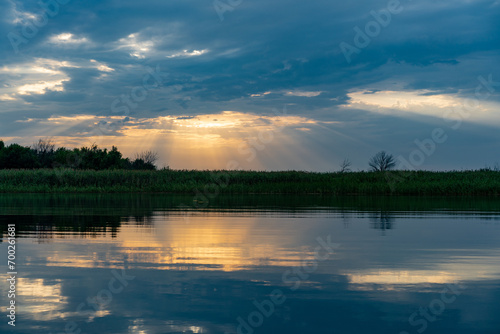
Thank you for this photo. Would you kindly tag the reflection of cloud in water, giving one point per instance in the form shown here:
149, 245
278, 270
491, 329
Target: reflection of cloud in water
402, 277
454, 269
43, 300
199, 274
40, 299
206, 241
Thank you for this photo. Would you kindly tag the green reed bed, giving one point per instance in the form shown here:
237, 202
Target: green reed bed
482, 182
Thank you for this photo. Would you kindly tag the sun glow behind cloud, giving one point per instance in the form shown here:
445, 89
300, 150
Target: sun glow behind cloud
203, 141
425, 65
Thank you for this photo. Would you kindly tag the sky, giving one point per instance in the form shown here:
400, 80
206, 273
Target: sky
261, 85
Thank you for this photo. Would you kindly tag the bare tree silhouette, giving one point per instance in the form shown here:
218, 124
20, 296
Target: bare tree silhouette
44, 146
382, 161
345, 166
149, 157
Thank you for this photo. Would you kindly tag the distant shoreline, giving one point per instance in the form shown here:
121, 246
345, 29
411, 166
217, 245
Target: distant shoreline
211, 183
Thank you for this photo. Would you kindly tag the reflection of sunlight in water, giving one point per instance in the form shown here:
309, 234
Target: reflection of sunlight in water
43, 300
138, 327
39, 299
213, 243
402, 277
205, 242
179, 287
454, 269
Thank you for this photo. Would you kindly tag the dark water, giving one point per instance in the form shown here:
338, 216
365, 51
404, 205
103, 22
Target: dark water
252, 264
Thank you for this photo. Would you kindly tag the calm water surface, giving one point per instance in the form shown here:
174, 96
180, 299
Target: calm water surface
262, 264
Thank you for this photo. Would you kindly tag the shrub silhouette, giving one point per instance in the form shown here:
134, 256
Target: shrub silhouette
18, 157
43, 154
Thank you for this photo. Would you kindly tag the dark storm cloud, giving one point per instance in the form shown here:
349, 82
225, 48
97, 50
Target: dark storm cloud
285, 49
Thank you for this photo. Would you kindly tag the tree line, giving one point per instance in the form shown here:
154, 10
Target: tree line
44, 154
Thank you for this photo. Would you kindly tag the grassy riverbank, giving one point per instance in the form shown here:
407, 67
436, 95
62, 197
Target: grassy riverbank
482, 182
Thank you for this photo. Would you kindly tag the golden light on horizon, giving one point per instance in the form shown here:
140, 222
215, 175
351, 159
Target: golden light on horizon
208, 141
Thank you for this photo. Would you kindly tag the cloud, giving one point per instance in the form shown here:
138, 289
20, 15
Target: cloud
7, 97
65, 39
263, 56
137, 47
428, 103
101, 67
303, 93
186, 53
41, 87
